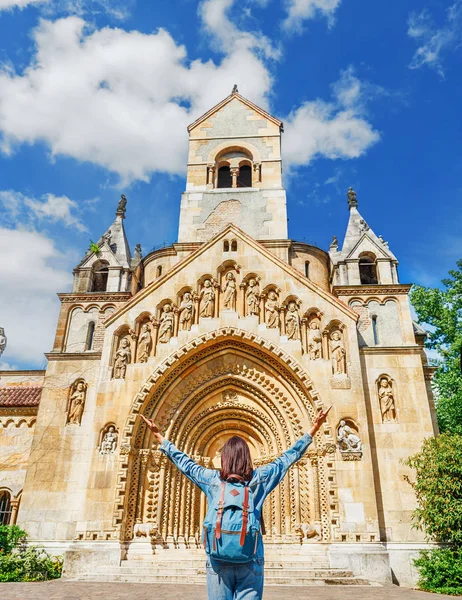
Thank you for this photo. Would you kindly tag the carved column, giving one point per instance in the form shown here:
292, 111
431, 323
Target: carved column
303, 332
160, 493
325, 345
242, 287
282, 319
155, 335
317, 499
234, 176
210, 175
257, 171
196, 308
262, 308
176, 325
14, 510
217, 299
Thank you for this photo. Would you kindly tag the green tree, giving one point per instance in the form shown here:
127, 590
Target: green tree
442, 310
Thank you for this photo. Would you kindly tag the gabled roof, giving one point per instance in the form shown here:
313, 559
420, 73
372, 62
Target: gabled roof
257, 247
113, 241
20, 395
227, 100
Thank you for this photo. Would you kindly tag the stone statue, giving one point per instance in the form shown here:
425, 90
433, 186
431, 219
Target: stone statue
337, 353
138, 254
314, 341
122, 206
229, 292
3, 340
167, 324
109, 442
186, 312
122, 359
76, 403
334, 243
235, 90
363, 226
292, 322
272, 310
347, 438
387, 400
252, 297
207, 299
352, 200
144, 344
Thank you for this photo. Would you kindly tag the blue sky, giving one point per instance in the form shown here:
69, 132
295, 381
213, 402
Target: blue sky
95, 97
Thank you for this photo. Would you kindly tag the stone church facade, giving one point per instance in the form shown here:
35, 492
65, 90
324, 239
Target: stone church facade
234, 329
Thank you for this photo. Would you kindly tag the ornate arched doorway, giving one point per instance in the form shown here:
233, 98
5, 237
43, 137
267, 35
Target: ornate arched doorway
216, 389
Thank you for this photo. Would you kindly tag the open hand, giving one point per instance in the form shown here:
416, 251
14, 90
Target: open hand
319, 420
153, 427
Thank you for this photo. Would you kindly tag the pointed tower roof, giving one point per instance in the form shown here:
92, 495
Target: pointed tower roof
114, 240
235, 96
357, 231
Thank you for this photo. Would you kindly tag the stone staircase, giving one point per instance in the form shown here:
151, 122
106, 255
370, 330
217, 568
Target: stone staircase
188, 566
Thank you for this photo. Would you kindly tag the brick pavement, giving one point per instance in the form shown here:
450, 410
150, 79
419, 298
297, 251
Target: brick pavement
68, 590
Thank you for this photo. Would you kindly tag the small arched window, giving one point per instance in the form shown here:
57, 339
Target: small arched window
224, 177
100, 276
5, 507
159, 271
307, 269
234, 246
245, 176
226, 246
90, 336
375, 330
368, 268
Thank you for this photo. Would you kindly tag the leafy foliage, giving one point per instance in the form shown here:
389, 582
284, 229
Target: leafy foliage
94, 248
440, 571
438, 487
10, 535
442, 310
21, 562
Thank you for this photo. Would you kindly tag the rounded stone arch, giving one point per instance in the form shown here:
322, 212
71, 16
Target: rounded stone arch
283, 411
215, 153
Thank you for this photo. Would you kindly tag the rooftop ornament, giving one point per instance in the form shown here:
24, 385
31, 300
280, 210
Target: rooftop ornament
352, 200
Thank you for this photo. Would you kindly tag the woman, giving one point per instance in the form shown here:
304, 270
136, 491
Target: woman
238, 581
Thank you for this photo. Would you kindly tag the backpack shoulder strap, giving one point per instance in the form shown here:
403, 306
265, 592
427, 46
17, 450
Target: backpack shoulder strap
245, 513
221, 505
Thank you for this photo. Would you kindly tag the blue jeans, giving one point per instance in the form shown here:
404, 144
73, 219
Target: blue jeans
234, 582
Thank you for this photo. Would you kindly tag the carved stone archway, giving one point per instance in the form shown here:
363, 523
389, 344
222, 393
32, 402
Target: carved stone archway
225, 383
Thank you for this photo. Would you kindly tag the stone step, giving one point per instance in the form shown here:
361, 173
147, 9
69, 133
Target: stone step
295, 571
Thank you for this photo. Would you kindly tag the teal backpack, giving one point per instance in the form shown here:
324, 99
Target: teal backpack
231, 528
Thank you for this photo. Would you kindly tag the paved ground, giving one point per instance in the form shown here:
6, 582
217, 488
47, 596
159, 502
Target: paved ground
67, 590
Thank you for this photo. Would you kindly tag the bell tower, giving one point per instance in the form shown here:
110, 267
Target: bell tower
234, 173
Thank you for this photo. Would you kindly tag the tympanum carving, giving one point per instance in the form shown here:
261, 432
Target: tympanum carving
76, 402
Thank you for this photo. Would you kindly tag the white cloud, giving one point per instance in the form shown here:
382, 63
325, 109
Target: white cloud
117, 9
336, 129
55, 209
301, 10
433, 41
9, 4
31, 270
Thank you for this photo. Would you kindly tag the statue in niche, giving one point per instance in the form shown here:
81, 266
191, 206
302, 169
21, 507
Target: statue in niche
186, 312
76, 403
314, 340
207, 299
292, 321
272, 310
167, 324
348, 439
387, 400
144, 344
252, 297
337, 353
122, 359
109, 441
229, 292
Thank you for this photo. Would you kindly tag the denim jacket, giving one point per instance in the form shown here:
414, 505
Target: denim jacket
263, 482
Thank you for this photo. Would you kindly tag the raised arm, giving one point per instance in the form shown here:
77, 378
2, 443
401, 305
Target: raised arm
274, 472
199, 475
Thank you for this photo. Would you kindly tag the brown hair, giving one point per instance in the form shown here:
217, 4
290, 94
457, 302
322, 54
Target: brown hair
236, 459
